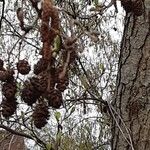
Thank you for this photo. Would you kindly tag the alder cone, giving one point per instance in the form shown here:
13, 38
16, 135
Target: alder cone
40, 66
29, 94
23, 67
62, 83
9, 89
133, 6
138, 7
3, 76
40, 115
48, 77
54, 98
9, 107
6, 75
127, 5
40, 84
61, 86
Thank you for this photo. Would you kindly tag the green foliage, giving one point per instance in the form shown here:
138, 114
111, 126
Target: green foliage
48, 146
57, 45
96, 2
57, 115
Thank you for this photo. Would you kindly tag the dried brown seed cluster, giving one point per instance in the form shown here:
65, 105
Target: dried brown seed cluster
40, 66
40, 115
23, 67
51, 78
9, 89
9, 107
6, 75
135, 6
62, 83
54, 98
40, 84
29, 94
138, 8
127, 5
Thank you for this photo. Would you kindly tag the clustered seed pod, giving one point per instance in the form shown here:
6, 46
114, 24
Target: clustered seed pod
40, 66
51, 78
29, 94
40, 84
127, 5
62, 83
40, 115
6, 75
138, 7
54, 98
23, 67
9, 89
133, 6
9, 107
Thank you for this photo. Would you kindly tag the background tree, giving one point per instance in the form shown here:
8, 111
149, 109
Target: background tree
29, 33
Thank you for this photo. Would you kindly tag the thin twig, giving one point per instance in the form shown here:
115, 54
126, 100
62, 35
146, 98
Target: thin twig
111, 111
16, 132
3, 8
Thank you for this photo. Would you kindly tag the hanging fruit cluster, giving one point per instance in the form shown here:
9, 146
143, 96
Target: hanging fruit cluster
23, 67
137, 7
40, 115
51, 78
9, 90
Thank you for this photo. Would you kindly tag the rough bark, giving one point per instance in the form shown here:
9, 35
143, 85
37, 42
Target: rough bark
132, 101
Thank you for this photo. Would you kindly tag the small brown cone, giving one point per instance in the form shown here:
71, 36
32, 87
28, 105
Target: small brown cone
54, 98
48, 78
9, 107
29, 94
40, 115
39, 83
40, 66
6, 75
127, 5
9, 89
23, 67
138, 7
62, 83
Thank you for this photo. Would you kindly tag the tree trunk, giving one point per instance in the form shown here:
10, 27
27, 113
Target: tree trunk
132, 100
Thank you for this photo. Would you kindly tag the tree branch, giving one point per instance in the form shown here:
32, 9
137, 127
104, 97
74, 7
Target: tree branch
37, 140
16, 132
